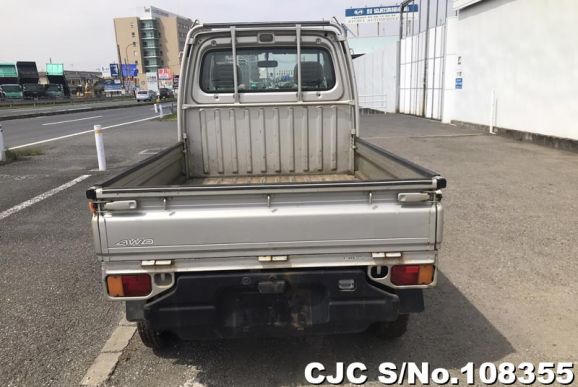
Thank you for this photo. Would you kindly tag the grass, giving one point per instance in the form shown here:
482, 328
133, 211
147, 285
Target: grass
18, 154
169, 117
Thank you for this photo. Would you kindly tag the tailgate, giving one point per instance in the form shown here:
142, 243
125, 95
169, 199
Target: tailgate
255, 224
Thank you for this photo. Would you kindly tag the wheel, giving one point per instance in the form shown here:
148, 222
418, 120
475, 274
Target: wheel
391, 329
150, 337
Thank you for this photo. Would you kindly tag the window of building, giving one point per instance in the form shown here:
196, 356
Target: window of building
132, 33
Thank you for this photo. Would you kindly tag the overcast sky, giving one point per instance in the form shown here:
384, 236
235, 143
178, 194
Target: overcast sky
80, 33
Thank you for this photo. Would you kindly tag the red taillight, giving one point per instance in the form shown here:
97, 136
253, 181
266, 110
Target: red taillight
403, 275
129, 285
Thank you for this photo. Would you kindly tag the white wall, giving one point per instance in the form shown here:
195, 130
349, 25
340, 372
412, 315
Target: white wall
375, 74
525, 50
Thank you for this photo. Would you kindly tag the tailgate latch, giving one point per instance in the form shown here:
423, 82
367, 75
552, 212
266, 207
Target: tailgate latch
157, 262
413, 197
121, 205
272, 258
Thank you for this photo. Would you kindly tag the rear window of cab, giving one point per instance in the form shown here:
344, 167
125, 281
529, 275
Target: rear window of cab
267, 69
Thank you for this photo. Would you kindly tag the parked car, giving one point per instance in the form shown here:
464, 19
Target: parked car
146, 95
270, 215
165, 93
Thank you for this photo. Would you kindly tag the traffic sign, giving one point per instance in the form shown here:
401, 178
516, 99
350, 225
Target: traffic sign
376, 14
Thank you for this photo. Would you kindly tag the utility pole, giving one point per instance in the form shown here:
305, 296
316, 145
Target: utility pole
120, 65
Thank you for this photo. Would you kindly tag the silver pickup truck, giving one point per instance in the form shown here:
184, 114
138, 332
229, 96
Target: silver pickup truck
269, 216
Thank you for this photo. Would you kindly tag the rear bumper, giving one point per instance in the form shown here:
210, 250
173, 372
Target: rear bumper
272, 303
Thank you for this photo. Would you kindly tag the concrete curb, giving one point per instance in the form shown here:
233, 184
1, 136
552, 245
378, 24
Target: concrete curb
560, 143
69, 111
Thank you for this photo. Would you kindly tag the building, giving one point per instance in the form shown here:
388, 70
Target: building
151, 41
79, 82
517, 66
506, 66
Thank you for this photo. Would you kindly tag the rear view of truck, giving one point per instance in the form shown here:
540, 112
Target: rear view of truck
28, 78
269, 216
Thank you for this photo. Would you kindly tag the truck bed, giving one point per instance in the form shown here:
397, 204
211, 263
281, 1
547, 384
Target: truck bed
271, 179
168, 170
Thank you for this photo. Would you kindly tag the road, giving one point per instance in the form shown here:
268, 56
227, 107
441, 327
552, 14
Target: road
30, 130
45, 108
54, 320
507, 289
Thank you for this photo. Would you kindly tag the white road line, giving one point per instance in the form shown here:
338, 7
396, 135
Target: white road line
45, 195
64, 122
106, 361
79, 133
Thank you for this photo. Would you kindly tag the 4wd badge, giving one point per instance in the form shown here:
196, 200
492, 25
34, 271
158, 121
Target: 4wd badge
137, 242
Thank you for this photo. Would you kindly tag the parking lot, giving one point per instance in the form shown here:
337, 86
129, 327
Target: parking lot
506, 292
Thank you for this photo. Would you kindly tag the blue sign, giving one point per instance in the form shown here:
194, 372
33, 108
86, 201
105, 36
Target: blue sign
129, 70
114, 70
459, 83
111, 85
371, 11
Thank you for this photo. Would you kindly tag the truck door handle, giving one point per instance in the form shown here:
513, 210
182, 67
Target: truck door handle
413, 197
121, 205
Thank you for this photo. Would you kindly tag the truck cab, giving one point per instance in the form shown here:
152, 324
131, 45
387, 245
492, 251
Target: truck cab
54, 91
12, 91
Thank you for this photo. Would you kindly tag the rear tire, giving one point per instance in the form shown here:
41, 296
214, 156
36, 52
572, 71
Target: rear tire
150, 337
391, 329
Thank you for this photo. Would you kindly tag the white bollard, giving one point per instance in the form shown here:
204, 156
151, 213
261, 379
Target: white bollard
98, 137
2, 145
156, 108
161, 112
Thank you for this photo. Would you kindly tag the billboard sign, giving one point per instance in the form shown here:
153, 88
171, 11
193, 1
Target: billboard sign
176, 82
152, 81
376, 14
112, 85
165, 74
105, 70
114, 70
129, 70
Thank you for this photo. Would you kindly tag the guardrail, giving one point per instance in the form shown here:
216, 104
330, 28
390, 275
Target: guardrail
62, 101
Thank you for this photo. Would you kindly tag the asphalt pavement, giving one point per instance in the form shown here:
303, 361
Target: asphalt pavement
507, 289
54, 318
30, 130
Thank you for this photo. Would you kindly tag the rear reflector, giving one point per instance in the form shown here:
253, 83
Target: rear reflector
403, 275
129, 285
